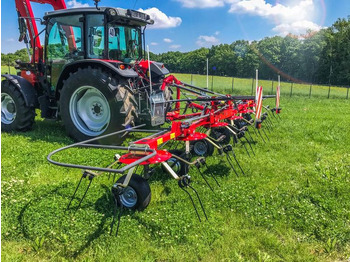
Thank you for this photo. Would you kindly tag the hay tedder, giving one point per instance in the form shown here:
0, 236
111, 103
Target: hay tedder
93, 74
216, 121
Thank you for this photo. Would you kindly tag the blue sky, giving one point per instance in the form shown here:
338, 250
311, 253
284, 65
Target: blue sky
186, 25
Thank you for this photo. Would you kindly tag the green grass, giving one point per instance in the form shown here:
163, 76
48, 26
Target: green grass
293, 205
243, 86
8, 70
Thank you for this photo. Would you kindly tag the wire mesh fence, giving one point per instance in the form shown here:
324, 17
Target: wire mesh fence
246, 86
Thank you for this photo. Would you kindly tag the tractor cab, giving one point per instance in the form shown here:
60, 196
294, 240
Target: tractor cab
111, 34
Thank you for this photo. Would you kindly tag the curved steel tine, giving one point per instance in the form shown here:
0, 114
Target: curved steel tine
265, 134
261, 136
234, 156
81, 200
194, 206
211, 174
200, 202
76, 189
206, 181
229, 161
249, 145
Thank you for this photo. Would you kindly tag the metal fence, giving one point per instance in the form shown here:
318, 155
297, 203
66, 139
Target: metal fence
246, 86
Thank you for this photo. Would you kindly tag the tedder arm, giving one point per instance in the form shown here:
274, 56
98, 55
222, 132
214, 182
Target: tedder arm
25, 13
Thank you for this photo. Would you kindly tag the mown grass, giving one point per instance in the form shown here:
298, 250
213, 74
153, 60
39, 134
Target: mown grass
293, 204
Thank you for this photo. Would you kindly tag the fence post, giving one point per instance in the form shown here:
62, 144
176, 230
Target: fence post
329, 90
212, 83
347, 93
252, 85
310, 91
233, 80
272, 87
291, 89
8, 62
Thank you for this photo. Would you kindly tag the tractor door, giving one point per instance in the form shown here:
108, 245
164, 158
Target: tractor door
64, 38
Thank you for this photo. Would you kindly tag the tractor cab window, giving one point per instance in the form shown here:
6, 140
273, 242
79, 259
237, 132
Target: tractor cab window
124, 43
64, 38
96, 35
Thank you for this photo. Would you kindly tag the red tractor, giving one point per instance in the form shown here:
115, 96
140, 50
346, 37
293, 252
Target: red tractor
87, 73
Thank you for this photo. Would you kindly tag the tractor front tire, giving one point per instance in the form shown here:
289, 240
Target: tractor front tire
15, 114
93, 103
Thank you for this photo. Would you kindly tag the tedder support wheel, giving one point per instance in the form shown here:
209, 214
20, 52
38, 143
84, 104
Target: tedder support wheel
137, 195
93, 103
15, 114
202, 148
179, 167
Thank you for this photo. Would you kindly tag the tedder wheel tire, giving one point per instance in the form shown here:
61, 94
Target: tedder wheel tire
137, 195
179, 167
15, 114
218, 132
93, 103
202, 148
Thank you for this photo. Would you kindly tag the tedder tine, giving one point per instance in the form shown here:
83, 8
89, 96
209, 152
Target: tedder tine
199, 199
249, 145
206, 181
210, 173
182, 185
230, 162
91, 177
234, 156
76, 189
246, 149
117, 203
261, 136
265, 134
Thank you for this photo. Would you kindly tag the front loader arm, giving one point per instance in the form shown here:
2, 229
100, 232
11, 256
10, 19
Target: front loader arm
24, 9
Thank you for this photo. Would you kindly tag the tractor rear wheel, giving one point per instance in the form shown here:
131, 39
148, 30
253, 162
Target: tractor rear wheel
94, 103
15, 114
137, 195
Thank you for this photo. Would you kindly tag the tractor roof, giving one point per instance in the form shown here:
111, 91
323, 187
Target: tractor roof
113, 13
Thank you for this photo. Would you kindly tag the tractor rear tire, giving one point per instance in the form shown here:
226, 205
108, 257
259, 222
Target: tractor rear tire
93, 103
15, 114
137, 195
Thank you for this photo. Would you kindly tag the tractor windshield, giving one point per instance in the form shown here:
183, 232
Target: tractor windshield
124, 43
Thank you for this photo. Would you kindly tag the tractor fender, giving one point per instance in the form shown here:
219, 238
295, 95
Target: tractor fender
110, 66
25, 88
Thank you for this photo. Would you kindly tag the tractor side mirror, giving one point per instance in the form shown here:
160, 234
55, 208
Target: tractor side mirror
22, 29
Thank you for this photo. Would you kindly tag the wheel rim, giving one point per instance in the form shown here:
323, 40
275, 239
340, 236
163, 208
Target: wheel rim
175, 165
89, 110
129, 197
8, 109
200, 148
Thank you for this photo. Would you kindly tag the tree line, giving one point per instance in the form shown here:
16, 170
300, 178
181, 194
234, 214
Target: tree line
321, 57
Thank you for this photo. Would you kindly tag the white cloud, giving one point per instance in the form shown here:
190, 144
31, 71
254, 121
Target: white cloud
296, 28
154, 43
161, 20
76, 4
217, 33
10, 40
167, 40
207, 41
294, 18
201, 3
175, 46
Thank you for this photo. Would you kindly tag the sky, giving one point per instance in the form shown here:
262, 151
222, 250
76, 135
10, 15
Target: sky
185, 25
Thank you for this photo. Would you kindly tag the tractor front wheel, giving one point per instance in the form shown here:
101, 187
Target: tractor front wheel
15, 115
93, 103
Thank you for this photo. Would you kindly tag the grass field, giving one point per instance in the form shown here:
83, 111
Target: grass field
293, 204
244, 86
